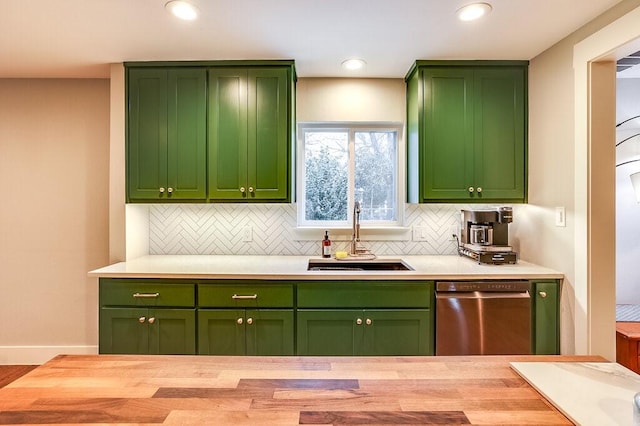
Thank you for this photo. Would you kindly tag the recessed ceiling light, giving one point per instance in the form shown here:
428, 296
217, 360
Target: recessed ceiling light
473, 11
182, 9
353, 64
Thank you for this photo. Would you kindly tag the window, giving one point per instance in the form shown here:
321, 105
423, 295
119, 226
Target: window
343, 163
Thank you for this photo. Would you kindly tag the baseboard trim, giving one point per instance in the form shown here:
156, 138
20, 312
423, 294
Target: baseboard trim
35, 355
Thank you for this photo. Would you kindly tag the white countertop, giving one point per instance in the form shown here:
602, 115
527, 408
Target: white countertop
588, 393
295, 267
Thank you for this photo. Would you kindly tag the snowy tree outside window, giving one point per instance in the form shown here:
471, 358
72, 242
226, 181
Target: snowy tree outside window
346, 163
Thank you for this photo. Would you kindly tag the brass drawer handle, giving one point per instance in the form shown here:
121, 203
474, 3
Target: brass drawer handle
543, 294
253, 296
145, 295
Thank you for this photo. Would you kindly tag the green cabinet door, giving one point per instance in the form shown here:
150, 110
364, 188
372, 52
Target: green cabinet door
397, 332
249, 133
221, 332
123, 331
147, 331
268, 134
166, 136
269, 332
499, 142
172, 331
328, 332
245, 332
467, 131
546, 333
342, 332
447, 152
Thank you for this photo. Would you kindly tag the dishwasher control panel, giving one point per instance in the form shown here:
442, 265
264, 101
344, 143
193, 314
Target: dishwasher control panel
498, 286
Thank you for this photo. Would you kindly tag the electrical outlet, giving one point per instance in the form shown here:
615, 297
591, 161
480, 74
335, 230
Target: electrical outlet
453, 231
247, 234
420, 233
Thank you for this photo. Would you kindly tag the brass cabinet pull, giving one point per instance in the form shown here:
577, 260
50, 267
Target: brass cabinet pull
161, 189
369, 322
145, 295
543, 294
359, 321
239, 321
141, 320
242, 189
251, 189
249, 321
169, 190
152, 320
241, 297
471, 189
479, 189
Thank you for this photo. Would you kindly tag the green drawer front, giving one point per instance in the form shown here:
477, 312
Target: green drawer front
149, 293
365, 294
230, 295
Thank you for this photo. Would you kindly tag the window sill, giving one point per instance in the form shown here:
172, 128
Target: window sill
373, 233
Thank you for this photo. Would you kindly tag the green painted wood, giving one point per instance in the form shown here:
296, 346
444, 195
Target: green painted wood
122, 292
365, 294
227, 133
398, 332
249, 134
546, 319
187, 134
499, 123
271, 332
121, 332
221, 295
172, 331
467, 128
328, 332
268, 134
166, 143
447, 155
219, 332
147, 133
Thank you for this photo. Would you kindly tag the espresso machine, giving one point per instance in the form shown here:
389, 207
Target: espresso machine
485, 236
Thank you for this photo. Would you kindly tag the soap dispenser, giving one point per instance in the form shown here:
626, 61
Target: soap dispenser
326, 245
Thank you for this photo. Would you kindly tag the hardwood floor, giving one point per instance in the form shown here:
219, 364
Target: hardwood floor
199, 390
9, 373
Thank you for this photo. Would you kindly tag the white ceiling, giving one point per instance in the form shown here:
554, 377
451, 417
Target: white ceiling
78, 38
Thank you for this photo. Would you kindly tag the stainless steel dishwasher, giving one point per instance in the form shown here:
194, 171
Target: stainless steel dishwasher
483, 317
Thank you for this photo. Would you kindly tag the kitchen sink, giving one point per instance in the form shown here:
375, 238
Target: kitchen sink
358, 265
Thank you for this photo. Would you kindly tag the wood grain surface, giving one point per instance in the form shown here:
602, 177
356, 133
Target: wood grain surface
279, 391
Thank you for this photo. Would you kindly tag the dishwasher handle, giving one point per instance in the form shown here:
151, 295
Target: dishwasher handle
483, 295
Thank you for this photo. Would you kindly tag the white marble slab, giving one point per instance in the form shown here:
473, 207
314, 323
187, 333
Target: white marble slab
295, 267
588, 393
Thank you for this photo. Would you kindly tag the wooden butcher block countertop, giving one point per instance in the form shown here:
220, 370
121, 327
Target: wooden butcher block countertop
204, 390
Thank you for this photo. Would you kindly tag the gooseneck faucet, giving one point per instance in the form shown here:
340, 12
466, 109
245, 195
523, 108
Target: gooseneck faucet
355, 238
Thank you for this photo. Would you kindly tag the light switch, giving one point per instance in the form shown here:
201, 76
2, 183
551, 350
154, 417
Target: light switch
247, 234
561, 216
420, 233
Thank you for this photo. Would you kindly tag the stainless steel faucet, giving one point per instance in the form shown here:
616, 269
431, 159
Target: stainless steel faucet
355, 238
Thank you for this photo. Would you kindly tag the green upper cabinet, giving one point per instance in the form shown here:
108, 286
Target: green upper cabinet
250, 133
467, 131
167, 130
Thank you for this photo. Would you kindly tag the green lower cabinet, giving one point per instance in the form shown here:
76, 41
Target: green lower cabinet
245, 332
343, 332
158, 331
546, 311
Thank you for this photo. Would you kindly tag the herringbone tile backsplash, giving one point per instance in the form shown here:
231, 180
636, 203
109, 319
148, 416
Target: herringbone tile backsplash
218, 228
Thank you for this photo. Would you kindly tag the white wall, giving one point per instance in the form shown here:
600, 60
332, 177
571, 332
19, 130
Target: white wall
54, 141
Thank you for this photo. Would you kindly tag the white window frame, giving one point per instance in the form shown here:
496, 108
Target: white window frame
352, 128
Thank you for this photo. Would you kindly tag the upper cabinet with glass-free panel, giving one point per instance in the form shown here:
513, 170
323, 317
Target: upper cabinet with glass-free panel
219, 131
250, 133
467, 131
